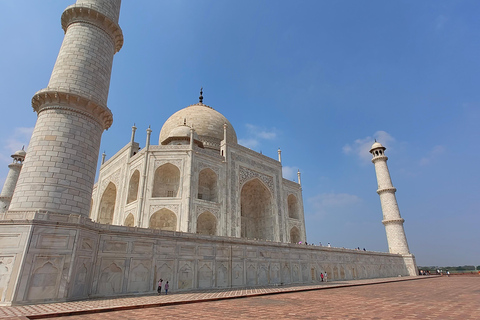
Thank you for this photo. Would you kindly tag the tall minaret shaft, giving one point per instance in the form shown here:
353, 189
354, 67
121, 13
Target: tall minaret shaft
393, 222
11, 181
59, 172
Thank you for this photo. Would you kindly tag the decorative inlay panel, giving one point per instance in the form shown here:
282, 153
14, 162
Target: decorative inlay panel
246, 174
114, 177
175, 162
171, 207
202, 166
201, 209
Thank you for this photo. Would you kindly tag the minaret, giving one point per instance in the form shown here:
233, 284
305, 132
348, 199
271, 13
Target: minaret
59, 172
397, 242
11, 181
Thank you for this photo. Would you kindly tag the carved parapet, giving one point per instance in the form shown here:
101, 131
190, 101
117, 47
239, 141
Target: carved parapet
393, 221
84, 13
210, 142
391, 190
48, 99
15, 165
385, 158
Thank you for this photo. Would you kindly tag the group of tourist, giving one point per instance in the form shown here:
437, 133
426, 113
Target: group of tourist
437, 272
312, 244
329, 245
324, 277
166, 286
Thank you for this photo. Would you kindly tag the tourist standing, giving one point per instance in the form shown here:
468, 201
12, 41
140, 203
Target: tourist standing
325, 277
321, 276
159, 289
166, 287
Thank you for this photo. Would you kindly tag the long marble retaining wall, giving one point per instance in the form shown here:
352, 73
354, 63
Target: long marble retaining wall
47, 257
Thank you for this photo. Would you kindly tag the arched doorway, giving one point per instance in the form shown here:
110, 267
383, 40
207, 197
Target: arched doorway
207, 185
256, 211
207, 224
294, 235
107, 204
292, 206
163, 219
166, 181
133, 187
129, 221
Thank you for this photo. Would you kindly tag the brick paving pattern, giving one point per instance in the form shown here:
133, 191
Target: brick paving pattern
429, 298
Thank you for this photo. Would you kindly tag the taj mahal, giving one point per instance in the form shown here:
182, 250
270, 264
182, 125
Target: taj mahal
199, 180
197, 209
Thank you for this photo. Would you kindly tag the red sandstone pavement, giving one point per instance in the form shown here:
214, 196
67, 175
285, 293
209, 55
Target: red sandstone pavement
455, 297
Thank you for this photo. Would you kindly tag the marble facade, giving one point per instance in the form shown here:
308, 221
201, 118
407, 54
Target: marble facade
201, 181
71, 258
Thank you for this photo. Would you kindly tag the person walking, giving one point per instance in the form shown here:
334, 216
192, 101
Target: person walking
159, 289
321, 276
166, 287
325, 277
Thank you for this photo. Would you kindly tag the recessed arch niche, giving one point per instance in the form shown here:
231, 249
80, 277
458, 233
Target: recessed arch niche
129, 221
256, 208
166, 181
292, 202
133, 187
207, 224
107, 204
207, 185
294, 235
163, 219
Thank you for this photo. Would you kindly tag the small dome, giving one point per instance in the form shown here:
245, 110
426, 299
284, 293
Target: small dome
207, 122
19, 154
182, 133
377, 145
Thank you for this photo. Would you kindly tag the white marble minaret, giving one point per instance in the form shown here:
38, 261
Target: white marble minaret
397, 241
59, 172
11, 181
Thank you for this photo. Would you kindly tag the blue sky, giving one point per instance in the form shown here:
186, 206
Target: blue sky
319, 79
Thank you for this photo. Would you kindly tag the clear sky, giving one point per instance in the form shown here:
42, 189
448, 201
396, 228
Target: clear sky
319, 79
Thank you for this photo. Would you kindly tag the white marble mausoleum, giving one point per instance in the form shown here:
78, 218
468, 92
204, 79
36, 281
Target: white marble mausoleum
198, 179
197, 209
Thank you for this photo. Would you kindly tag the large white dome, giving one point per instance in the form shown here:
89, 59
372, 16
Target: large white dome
207, 122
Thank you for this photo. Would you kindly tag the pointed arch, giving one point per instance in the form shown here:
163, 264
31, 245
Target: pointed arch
129, 221
133, 187
163, 219
207, 185
294, 235
107, 204
207, 224
292, 202
256, 208
166, 181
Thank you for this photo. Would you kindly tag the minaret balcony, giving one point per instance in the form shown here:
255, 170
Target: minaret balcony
390, 190
393, 221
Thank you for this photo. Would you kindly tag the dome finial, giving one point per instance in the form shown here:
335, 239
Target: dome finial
201, 95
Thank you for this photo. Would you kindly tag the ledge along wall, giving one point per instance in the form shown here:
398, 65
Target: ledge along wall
70, 258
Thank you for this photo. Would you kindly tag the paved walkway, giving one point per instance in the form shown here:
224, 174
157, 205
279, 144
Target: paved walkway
393, 298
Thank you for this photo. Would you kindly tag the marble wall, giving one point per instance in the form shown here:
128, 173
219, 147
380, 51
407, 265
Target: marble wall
71, 258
